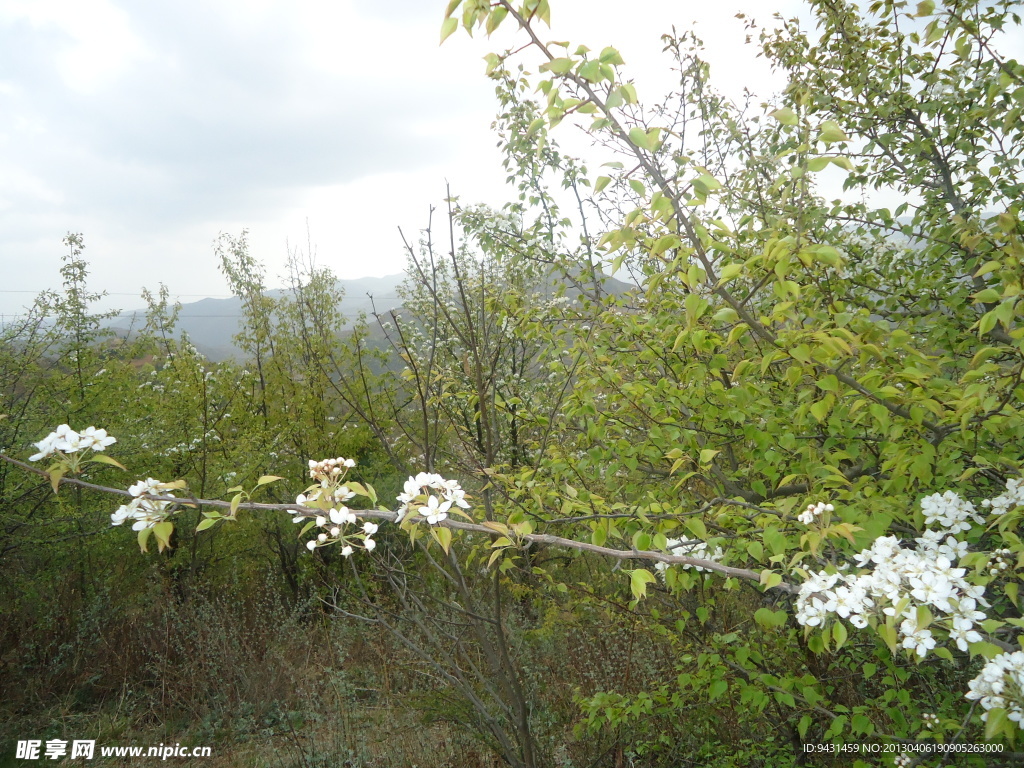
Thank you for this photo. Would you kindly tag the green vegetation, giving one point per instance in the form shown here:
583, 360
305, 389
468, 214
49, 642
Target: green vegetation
653, 473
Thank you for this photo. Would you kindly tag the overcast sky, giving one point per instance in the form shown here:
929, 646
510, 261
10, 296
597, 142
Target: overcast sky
152, 126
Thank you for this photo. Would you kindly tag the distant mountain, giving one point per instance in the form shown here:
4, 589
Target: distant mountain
211, 324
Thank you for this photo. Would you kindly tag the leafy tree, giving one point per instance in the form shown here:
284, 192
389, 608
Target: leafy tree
777, 417
787, 350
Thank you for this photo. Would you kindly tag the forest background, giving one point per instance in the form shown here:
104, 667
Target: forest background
669, 485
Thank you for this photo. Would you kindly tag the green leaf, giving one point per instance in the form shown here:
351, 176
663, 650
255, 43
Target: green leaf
888, 634
820, 409
839, 634
830, 132
726, 315
707, 183
987, 322
988, 296
611, 56
162, 532
770, 578
558, 66
448, 27
815, 164
639, 578
696, 526
729, 272
601, 183
102, 458
495, 555
357, 488
641, 138
707, 455
785, 115
664, 243
496, 16
984, 269
443, 536
642, 541
717, 688
208, 522
996, 722
756, 550
829, 383
803, 725
56, 474
266, 479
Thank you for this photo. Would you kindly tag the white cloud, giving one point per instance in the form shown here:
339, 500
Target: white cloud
94, 41
152, 127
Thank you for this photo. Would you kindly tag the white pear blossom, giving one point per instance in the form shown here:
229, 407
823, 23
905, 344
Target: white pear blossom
899, 578
430, 484
687, 547
950, 511
1000, 684
327, 496
917, 639
435, 511
814, 511
145, 512
66, 440
96, 440
1013, 497
343, 516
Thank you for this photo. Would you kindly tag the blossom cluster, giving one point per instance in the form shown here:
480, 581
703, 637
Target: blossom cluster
1004, 502
329, 474
333, 524
687, 547
1001, 560
814, 511
1000, 685
432, 497
328, 495
952, 513
145, 512
902, 579
66, 440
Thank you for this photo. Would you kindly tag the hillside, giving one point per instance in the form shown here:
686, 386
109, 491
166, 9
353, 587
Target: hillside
211, 324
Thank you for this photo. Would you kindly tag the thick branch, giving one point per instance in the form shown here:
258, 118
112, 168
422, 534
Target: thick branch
375, 514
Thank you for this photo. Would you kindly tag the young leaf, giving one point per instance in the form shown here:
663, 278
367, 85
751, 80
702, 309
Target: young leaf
102, 458
785, 115
443, 536
639, 578
448, 27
